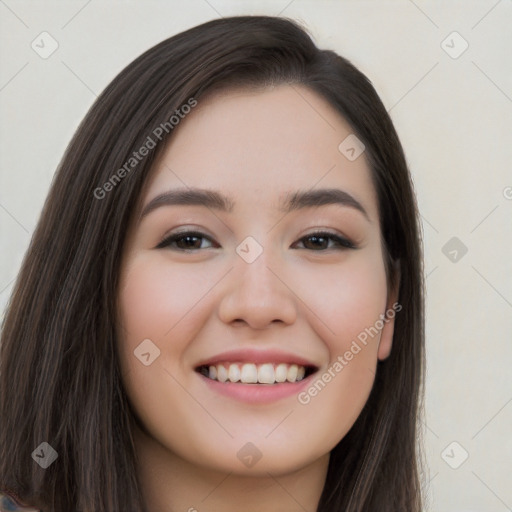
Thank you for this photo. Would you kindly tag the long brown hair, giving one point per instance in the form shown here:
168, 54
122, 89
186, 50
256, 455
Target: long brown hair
59, 371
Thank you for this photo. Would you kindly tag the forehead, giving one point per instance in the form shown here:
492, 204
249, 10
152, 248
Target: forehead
258, 146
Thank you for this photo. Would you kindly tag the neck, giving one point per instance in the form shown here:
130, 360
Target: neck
170, 484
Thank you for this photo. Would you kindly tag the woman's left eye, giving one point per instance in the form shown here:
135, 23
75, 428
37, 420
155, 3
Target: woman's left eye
321, 241
191, 240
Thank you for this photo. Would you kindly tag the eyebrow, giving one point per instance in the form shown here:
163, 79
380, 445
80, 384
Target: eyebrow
217, 201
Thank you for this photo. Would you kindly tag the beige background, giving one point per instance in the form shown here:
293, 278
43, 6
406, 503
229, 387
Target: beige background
454, 118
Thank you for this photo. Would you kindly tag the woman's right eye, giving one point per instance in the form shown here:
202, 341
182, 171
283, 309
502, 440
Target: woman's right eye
184, 241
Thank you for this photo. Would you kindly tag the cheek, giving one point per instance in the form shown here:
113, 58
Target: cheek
161, 303
344, 309
156, 298
344, 302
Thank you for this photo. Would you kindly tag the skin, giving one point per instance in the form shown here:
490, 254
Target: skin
254, 146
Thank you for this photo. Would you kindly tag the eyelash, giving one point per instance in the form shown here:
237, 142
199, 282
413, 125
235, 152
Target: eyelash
343, 243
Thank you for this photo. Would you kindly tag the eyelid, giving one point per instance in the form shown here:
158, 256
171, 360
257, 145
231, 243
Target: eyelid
185, 230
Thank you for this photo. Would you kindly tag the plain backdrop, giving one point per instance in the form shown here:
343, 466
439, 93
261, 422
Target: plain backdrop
450, 97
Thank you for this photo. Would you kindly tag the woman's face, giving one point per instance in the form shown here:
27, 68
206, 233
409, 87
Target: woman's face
252, 293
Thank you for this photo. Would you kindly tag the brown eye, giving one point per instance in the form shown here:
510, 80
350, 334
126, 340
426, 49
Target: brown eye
185, 241
320, 241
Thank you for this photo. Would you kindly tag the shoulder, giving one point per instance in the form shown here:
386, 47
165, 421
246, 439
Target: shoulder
9, 502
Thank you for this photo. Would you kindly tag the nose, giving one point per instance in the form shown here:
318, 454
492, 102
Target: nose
257, 295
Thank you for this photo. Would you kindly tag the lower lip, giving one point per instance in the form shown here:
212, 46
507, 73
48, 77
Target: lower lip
257, 393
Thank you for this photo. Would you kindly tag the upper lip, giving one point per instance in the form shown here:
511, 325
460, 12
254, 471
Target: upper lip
256, 357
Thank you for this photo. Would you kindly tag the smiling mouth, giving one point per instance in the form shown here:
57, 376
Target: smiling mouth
250, 373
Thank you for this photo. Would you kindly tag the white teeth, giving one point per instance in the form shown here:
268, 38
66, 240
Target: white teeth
281, 372
234, 373
266, 374
292, 373
222, 373
250, 373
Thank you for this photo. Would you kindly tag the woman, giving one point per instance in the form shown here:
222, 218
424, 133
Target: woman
277, 367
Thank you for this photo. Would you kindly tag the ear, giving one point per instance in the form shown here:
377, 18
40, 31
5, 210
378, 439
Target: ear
392, 309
